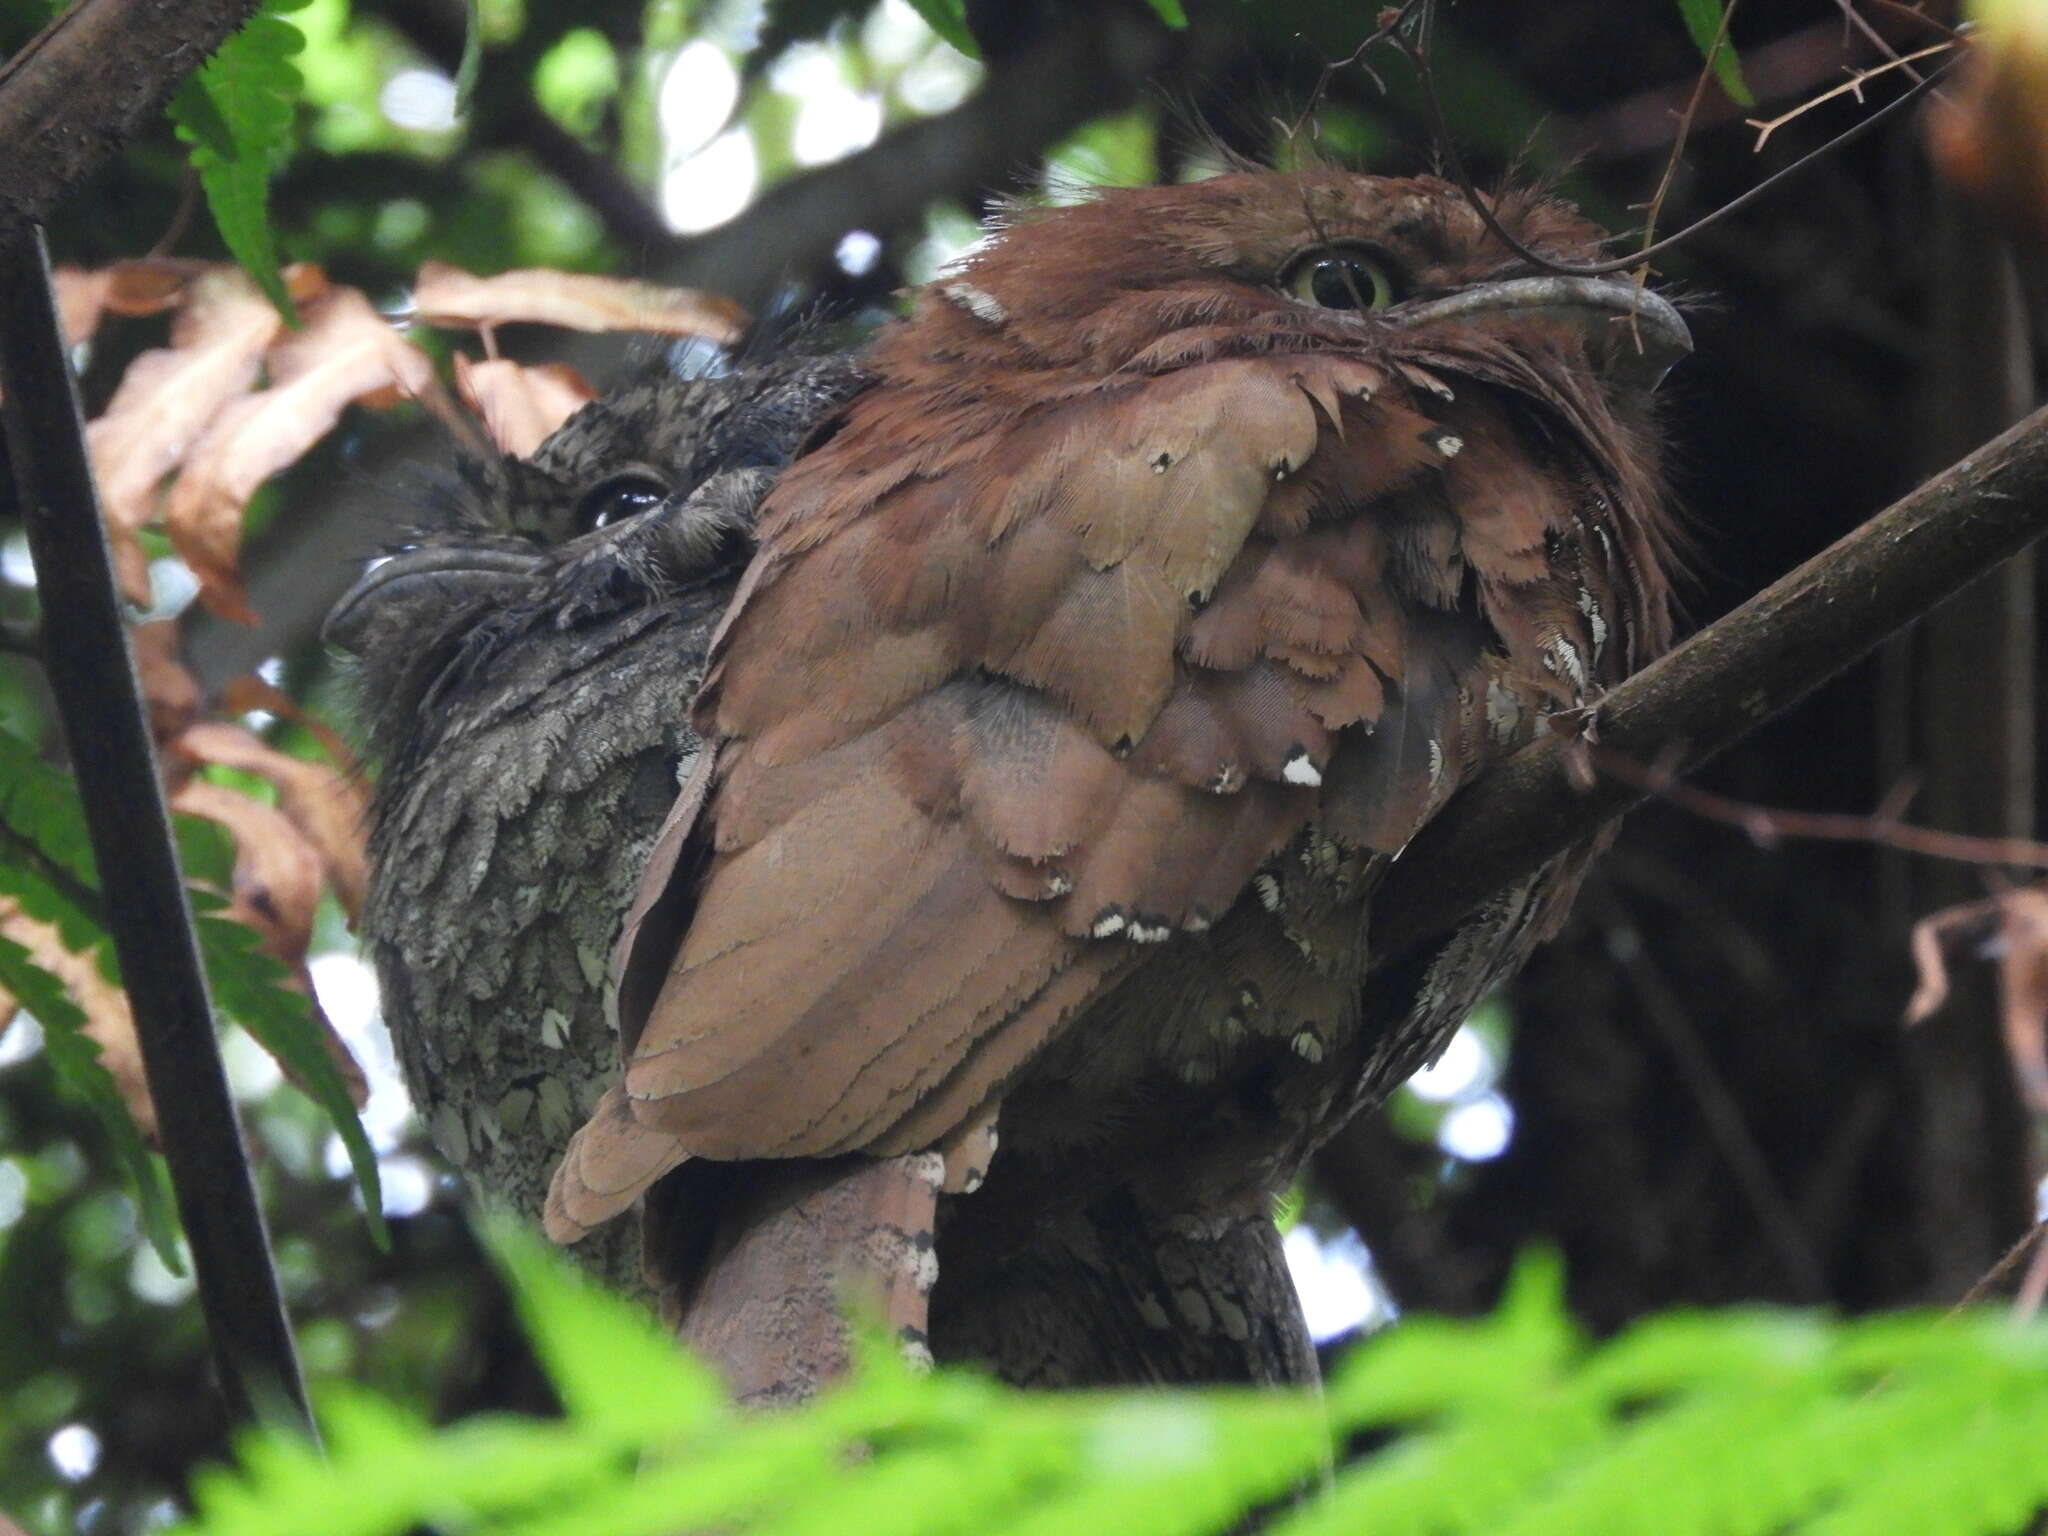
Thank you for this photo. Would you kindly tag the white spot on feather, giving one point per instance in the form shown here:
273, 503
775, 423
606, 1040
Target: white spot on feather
978, 302
1142, 932
1299, 770
554, 1029
1590, 607
1268, 890
1562, 658
1107, 924
1308, 1045
1449, 444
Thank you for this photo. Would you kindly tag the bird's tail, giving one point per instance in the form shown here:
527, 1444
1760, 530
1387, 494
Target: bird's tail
758, 1265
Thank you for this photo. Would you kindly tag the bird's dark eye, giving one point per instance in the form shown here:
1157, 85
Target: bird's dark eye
1339, 277
618, 497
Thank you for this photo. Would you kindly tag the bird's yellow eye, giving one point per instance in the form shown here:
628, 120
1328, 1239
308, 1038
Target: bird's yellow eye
1338, 277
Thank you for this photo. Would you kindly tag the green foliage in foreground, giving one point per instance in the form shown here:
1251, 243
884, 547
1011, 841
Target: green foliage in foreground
1724, 1422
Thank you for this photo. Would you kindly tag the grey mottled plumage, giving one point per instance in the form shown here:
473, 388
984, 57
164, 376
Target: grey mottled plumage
527, 681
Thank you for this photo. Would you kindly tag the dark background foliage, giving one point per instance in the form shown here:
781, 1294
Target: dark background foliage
1710, 1094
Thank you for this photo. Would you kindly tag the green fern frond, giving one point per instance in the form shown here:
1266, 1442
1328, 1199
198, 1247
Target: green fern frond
1747, 1421
237, 114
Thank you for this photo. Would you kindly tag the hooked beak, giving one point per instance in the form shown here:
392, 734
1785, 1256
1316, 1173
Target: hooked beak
433, 573
1630, 332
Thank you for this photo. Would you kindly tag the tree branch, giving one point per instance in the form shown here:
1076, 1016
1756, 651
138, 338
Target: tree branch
83, 85
92, 678
1725, 681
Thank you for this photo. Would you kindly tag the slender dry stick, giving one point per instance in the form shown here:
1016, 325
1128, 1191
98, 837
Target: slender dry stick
1454, 162
92, 677
1685, 121
1724, 682
1853, 86
1768, 824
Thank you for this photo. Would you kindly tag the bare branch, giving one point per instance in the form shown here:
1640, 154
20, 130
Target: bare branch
1768, 825
92, 678
82, 86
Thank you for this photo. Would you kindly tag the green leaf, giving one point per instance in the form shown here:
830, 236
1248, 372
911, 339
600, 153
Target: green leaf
1703, 21
237, 114
1171, 12
249, 986
75, 1057
472, 57
948, 18
46, 860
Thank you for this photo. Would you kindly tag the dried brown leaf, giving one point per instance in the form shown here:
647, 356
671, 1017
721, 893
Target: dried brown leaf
445, 295
249, 692
520, 406
1987, 130
171, 692
108, 1021
2012, 926
330, 808
345, 352
278, 875
169, 394
81, 299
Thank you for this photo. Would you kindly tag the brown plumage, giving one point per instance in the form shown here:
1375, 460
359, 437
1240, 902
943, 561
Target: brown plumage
1191, 548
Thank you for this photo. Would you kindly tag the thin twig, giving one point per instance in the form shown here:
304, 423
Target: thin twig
1454, 161
1726, 1126
2035, 1284
2000, 1270
1853, 86
1768, 825
1685, 120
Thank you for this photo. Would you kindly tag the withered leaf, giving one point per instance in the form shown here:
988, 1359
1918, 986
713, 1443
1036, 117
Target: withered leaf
345, 352
168, 396
445, 295
81, 299
520, 405
170, 691
278, 875
108, 1020
249, 691
2013, 927
329, 808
